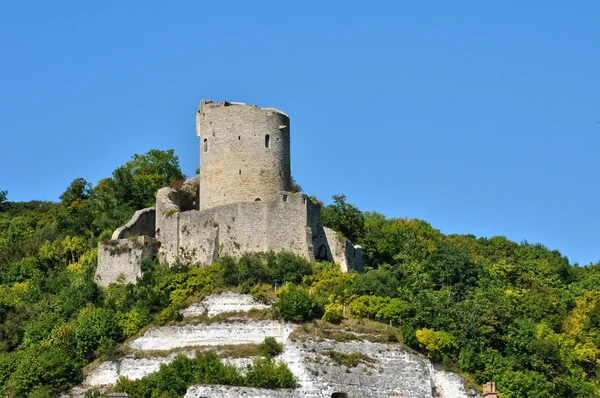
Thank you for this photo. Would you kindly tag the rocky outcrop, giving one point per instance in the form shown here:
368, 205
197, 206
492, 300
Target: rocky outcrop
223, 302
382, 369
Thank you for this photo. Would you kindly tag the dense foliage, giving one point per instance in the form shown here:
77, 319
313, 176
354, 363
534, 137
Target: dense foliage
515, 313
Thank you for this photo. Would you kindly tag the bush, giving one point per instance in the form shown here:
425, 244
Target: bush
297, 305
263, 373
52, 368
92, 327
287, 267
333, 314
440, 345
270, 347
174, 379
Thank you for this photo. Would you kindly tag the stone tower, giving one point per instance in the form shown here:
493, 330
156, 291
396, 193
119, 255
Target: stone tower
244, 153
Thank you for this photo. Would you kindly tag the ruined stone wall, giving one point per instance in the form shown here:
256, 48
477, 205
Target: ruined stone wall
290, 223
141, 224
121, 260
344, 253
244, 153
235, 229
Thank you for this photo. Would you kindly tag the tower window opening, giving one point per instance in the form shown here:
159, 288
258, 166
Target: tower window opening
285, 198
267, 140
239, 171
239, 137
257, 200
205, 145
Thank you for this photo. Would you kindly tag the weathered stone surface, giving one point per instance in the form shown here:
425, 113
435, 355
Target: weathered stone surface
238, 332
121, 260
141, 224
220, 303
244, 153
344, 253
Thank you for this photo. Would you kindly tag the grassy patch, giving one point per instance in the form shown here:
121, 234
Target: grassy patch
348, 330
349, 360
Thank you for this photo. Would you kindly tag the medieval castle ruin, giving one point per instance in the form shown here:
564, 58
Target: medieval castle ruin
241, 202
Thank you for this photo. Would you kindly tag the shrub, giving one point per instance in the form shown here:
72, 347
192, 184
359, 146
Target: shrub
263, 373
94, 325
391, 336
171, 313
440, 345
287, 267
261, 291
270, 347
297, 305
333, 314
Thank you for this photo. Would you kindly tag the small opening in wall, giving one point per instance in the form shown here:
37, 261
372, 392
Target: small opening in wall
304, 199
339, 395
267, 140
285, 198
239, 137
239, 171
205, 145
322, 254
257, 200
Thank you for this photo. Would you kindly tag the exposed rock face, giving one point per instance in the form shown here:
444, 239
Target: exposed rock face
384, 369
239, 332
223, 302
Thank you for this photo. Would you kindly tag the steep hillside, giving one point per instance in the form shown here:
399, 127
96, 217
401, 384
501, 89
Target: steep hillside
355, 359
516, 313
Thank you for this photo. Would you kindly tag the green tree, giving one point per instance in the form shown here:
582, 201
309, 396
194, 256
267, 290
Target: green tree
78, 190
345, 218
137, 181
3, 198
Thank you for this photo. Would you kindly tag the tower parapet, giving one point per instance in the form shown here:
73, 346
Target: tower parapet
244, 153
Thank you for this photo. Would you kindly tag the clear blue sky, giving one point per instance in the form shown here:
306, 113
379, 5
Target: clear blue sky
479, 117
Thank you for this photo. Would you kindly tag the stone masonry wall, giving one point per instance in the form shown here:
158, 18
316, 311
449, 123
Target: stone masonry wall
250, 227
289, 223
121, 260
141, 224
237, 164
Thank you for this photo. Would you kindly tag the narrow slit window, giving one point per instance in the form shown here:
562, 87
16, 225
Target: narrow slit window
205, 145
267, 140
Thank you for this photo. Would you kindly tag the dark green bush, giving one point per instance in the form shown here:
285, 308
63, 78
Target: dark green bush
270, 348
264, 373
297, 305
98, 323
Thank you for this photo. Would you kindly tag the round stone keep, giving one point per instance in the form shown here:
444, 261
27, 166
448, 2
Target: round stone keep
244, 153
